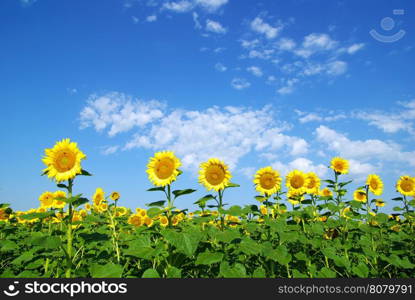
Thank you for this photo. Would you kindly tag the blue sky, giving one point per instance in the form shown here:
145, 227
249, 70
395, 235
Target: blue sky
283, 83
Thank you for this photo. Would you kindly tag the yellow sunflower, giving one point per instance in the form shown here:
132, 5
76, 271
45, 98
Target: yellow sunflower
115, 196
63, 161
58, 203
267, 181
313, 184
340, 165
214, 174
375, 184
379, 203
297, 181
295, 196
103, 207
148, 221
360, 195
406, 185
46, 199
3, 214
326, 192
345, 212
164, 221
98, 197
135, 220
163, 168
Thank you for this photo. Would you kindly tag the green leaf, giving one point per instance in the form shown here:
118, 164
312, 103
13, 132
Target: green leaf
79, 202
282, 255
62, 186
231, 185
143, 252
153, 212
24, 257
154, 189
236, 271
342, 184
85, 173
260, 198
150, 273
8, 245
45, 241
178, 193
326, 273
109, 270
208, 258
204, 199
397, 199
173, 272
361, 270
259, 273
298, 274
235, 210
156, 203
32, 216
250, 247
185, 242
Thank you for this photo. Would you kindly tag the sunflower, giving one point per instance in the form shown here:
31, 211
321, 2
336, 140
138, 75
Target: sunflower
164, 221
379, 203
163, 168
297, 181
360, 195
63, 161
46, 199
103, 207
175, 220
340, 165
121, 211
267, 181
98, 197
406, 185
214, 174
3, 214
57, 201
148, 221
345, 211
326, 192
264, 210
88, 206
313, 184
375, 184
295, 196
135, 220
115, 196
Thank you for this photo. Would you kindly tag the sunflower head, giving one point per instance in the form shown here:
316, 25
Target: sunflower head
164, 221
46, 199
115, 196
148, 221
406, 185
339, 165
326, 192
163, 168
297, 181
345, 212
214, 174
267, 181
375, 184
63, 161
99, 196
313, 184
135, 220
360, 196
57, 199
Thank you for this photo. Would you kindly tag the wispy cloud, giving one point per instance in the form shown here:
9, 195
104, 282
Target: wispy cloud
240, 83
215, 27
260, 26
220, 67
151, 18
256, 71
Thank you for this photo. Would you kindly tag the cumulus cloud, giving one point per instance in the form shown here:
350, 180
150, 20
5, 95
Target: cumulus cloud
179, 6
183, 6
151, 18
316, 43
258, 25
220, 67
118, 113
363, 149
215, 27
289, 87
254, 70
240, 83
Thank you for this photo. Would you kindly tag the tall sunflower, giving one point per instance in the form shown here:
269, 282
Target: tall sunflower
267, 181
99, 197
214, 174
297, 181
375, 184
313, 185
340, 165
63, 161
46, 199
360, 195
163, 168
406, 185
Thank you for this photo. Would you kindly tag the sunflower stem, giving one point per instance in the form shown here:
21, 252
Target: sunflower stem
69, 233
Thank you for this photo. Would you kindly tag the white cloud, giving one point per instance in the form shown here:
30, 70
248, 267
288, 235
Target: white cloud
211, 5
196, 20
119, 113
215, 27
179, 6
27, 2
289, 87
363, 150
330, 116
228, 133
286, 44
109, 150
220, 67
240, 83
151, 18
256, 71
249, 44
302, 164
355, 47
336, 68
258, 25
263, 54
316, 43
135, 19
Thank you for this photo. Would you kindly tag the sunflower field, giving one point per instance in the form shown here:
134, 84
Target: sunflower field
297, 226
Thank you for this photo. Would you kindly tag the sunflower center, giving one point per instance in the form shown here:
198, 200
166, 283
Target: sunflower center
407, 186
374, 184
339, 166
215, 174
164, 168
312, 183
65, 160
267, 181
297, 182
